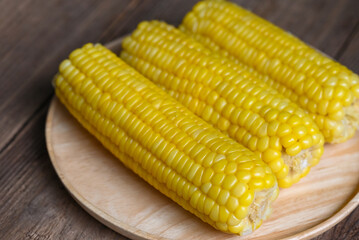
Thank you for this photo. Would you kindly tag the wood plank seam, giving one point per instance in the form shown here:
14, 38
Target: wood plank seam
132, 5
347, 42
43, 105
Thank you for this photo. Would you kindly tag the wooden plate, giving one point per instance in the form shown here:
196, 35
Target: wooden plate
121, 200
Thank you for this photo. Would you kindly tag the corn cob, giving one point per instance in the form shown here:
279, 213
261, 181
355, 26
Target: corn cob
228, 97
205, 172
328, 91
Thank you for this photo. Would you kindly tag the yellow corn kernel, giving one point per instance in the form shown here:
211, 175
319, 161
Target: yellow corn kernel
163, 142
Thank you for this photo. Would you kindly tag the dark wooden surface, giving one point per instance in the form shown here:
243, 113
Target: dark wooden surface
36, 35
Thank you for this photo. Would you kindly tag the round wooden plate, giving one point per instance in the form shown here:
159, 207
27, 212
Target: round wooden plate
124, 202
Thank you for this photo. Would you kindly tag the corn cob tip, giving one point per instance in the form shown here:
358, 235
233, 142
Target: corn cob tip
350, 123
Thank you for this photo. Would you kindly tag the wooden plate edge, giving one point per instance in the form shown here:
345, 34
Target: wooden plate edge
330, 222
134, 233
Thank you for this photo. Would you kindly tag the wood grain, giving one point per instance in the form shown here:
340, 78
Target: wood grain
124, 202
39, 207
36, 35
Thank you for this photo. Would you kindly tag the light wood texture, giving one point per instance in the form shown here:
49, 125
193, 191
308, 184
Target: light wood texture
124, 202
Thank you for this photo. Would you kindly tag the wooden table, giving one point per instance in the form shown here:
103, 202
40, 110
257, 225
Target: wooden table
36, 35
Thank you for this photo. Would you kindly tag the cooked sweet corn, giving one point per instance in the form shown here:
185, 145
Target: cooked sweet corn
323, 87
205, 172
227, 96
